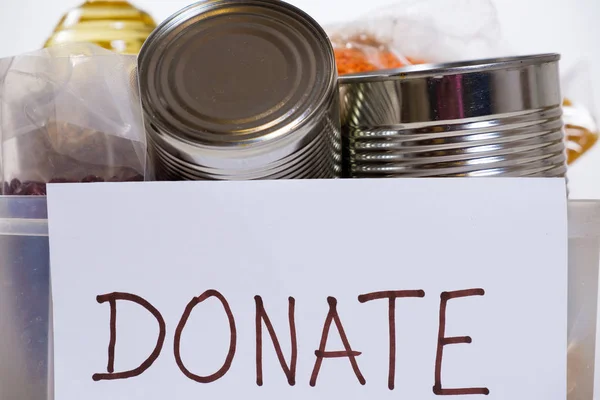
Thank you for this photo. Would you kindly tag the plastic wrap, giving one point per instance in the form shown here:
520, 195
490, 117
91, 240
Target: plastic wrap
70, 113
433, 31
418, 31
581, 125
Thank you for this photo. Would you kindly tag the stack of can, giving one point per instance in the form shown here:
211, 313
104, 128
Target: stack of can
240, 90
499, 117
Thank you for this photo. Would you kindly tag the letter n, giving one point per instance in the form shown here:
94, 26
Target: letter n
261, 316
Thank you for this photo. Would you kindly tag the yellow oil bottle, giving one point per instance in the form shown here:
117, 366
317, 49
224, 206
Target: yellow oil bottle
112, 24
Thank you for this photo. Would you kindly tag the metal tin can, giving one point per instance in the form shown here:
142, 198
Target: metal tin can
240, 90
495, 117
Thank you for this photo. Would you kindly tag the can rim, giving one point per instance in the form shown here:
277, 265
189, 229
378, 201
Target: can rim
189, 12
449, 68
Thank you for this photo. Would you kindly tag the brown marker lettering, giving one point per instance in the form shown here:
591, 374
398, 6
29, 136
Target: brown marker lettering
332, 315
232, 338
261, 315
443, 341
391, 296
112, 298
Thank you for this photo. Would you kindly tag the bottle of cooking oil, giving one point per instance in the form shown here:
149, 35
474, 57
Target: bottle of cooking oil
112, 24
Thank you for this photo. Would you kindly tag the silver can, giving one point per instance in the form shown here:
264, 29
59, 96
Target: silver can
496, 117
240, 90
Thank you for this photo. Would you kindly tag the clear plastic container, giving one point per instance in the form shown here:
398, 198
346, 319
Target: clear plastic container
584, 259
24, 299
25, 308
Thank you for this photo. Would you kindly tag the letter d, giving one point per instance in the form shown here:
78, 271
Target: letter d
112, 298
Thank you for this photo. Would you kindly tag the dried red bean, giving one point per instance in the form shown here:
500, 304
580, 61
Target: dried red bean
15, 184
32, 188
137, 178
62, 180
38, 190
92, 178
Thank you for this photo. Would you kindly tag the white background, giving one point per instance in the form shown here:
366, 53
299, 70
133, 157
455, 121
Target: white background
569, 27
283, 238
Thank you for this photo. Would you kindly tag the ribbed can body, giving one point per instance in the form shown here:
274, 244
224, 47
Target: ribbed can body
497, 117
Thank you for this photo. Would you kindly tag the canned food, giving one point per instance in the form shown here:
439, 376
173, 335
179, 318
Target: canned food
496, 117
241, 90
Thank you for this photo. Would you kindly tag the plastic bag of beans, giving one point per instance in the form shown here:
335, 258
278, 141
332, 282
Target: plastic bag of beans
69, 114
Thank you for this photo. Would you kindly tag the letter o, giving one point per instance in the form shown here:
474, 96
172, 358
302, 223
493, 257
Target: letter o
232, 341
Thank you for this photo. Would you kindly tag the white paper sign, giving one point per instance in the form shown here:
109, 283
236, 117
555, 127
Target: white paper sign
373, 289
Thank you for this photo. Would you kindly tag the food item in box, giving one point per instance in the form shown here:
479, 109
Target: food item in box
580, 129
33, 188
69, 114
225, 103
435, 31
417, 31
579, 141
352, 60
61, 153
365, 53
112, 24
418, 122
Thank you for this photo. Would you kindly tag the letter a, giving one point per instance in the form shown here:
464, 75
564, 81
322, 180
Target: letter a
348, 352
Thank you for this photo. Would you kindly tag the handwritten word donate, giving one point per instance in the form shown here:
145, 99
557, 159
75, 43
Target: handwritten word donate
289, 369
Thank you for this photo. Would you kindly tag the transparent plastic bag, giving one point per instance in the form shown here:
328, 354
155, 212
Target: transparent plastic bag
433, 31
69, 113
579, 111
418, 31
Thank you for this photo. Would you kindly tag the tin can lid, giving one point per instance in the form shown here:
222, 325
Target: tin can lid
229, 72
